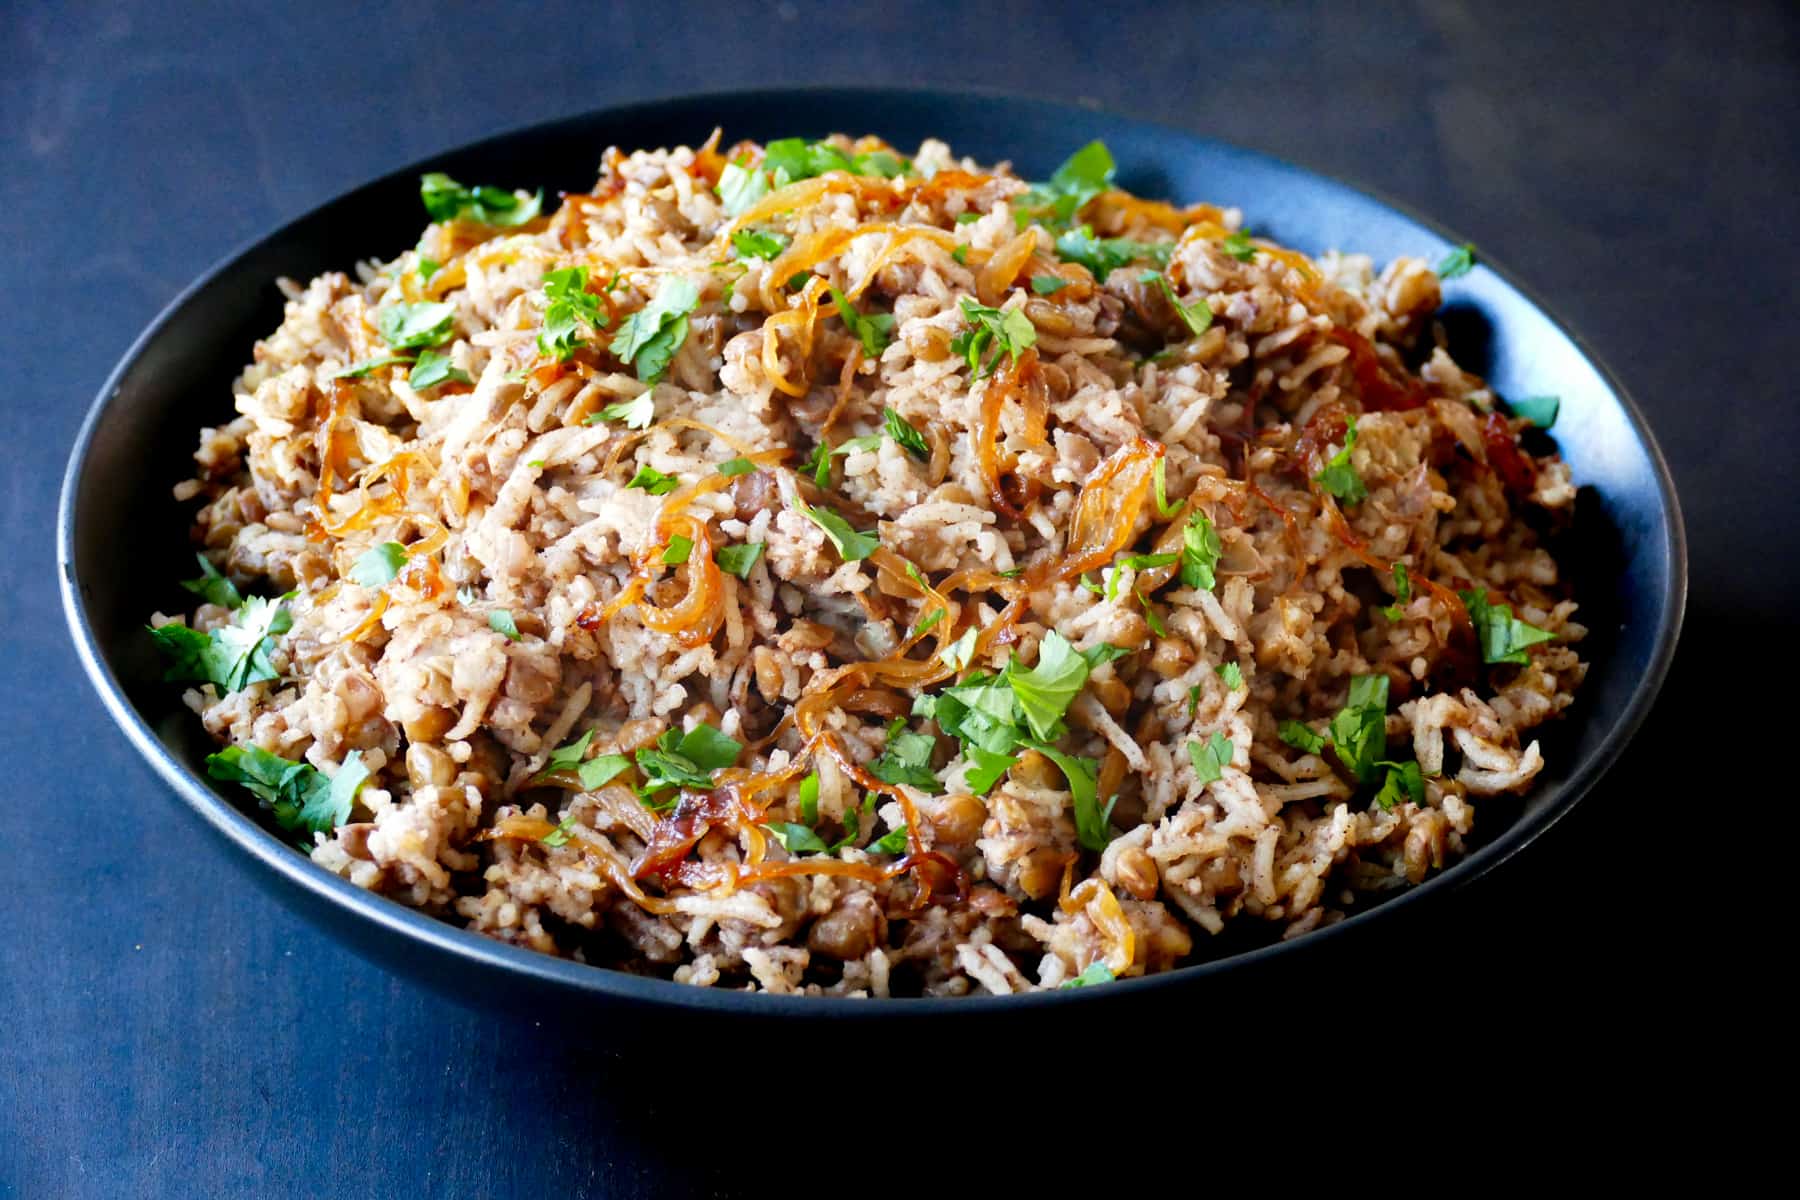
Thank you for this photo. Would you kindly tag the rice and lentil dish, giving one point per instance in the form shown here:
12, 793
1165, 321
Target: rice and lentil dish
809, 569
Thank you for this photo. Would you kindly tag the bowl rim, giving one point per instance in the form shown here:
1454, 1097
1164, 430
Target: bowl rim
466, 948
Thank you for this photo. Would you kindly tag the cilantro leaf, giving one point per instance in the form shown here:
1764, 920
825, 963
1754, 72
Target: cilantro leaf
1082, 176
1302, 737
433, 368
907, 759
740, 187
213, 587
1005, 331
445, 200
1044, 692
568, 305
500, 620
1092, 820
379, 565
796, 839
736, 466
1458, 262
1096, 973
875, 330
1338, 476
358, 370
327, 808
410, 326
962, 650
649, 338
1048, 285
1200, 550
1359, 729
987, 768
232, 656
1103, 256
654, 481
758, 243
1503, 637
637, 412
738, 560
686, 760
1404, 781
1196, 316
1232, 674
1539, 410
906, 434
288, 788
853, 546
677, 551
1237, 244
1210, 757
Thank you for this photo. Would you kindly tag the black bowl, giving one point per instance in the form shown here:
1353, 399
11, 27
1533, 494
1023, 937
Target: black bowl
122, 539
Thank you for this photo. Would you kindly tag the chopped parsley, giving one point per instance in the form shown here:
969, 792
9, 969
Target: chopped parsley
1103, 256
928, 622
560, 835
968, 218
1082, 176
649, 338
740, 187
677, 551
853, 546
1196, 316
1158, 477
960, 255
685, 760
445, 200
1093, 827
302, 798
358, 370
1151, 617
962, 651
986, 768
907, 759
1503, 637
1211, 757
809, 799
1359, 730
1097, 972
875, 330
654, 481
905, 434
1302, 737
1200, 550
1458, 262
738, 559
758, 243
1405, 781
1232, 674
594, 772
411, 326
1402, 593
736, 466
1237, 244
891, 842
213, 587
1044, 692
796, 838
1004, 331
568, 305
1539, 410
433, 368
637, 412
1338, 476
377, 566
500, 620
1048, 285
230, 657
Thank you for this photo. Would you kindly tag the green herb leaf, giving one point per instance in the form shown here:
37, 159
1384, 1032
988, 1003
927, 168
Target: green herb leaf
1210, 757
960, 255
560, 835
410, 326
677, 551
500, 620
907, 759
1092, 821
637, 412
853, 546
379, 565
1048, 285
1301, 737
1359, 730
796, 839
1539, 410
1003, 331
1503, 637
891, 842
360, 369
809, 799
231, 657
325, 810
738, 559
875, 330
433, 368
567, 757
654, 481
1339, 477
905, 434
736, 466
445, 200
1103, 256
1404, 782
213, 587
1096, 973
1458, 262
1044, 692
568, 305
758, 243
927, 622
968, 218
1402, 592
1151, 617
428, 267
1200, 550
1232, 674
1196, 316
686, 759
649, 338
1157, 476
740, 187
1237, 244
601, 770
962, 650
987, 768
1082, 176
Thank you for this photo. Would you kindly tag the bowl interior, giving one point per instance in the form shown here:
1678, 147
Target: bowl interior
123, 539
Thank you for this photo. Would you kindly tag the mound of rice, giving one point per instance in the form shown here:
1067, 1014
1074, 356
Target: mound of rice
870, 575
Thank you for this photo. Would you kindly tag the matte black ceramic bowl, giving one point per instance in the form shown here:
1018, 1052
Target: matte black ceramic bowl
122, 540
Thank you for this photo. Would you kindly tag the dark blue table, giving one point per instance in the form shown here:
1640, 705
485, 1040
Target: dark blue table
170, 1031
